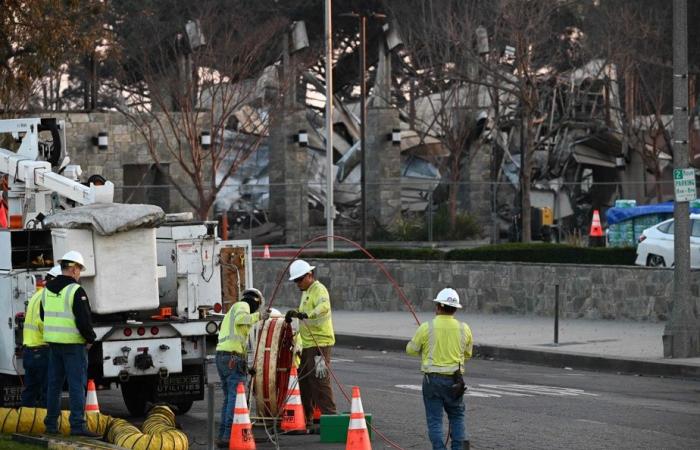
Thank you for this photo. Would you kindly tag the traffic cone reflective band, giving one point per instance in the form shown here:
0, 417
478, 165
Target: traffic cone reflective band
241, 429
358, 437
596, 229
266, 251
292, 411
91, 400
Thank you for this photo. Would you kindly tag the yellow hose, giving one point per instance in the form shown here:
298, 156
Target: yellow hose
159, 431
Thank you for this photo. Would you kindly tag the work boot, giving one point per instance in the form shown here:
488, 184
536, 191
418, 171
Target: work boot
85, 433
465, 445
221, 443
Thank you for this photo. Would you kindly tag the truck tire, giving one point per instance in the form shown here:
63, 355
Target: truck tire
183, 407
136, 395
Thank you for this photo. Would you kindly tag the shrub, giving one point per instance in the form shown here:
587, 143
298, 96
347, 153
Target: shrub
546, 253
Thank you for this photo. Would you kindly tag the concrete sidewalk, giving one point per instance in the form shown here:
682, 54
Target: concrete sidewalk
618, 346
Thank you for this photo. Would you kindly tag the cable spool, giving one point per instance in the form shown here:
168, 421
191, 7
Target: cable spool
274, 358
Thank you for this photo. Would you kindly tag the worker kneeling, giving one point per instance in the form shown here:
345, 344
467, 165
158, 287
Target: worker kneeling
231, 353
444, 344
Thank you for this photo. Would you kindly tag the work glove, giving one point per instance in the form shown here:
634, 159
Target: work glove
321, 368
265, 314
302, 316
252, 371
290, 315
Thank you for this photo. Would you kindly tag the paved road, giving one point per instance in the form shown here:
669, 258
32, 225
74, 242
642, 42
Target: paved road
509, 406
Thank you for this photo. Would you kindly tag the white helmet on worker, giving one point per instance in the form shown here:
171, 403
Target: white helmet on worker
448, 297
299, 268
55, 271
73, 257
252, 292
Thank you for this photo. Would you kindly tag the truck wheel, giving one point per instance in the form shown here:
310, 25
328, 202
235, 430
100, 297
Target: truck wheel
136, 395
182, 407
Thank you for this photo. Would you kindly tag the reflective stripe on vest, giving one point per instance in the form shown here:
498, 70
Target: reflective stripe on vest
33, 335
428, 366
59, 324
318, 321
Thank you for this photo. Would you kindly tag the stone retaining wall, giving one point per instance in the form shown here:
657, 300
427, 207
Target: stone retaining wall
593, 292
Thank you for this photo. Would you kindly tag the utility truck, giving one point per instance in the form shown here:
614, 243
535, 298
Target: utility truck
157, 284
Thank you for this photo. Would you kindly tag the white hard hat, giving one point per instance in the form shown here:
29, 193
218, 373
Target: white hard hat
255, 293
75, 257
448, 297
55, 271
299, 268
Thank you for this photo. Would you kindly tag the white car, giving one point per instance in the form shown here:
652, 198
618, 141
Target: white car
655, 248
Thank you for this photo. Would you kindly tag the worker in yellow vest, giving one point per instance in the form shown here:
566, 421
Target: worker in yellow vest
35, 354
68, 330
444, 344
317, 340
232, 353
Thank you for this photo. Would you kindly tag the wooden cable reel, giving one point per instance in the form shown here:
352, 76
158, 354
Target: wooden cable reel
274, 352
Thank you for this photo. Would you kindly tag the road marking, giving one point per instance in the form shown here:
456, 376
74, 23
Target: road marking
591, 421
341, 360
512, 390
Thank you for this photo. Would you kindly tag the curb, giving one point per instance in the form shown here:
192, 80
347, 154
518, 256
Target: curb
541, 357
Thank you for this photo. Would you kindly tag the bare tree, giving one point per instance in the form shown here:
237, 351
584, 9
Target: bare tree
201, 80
462, 43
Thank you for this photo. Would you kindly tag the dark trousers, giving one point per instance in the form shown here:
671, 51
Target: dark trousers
66, 361
315, 391
36, 370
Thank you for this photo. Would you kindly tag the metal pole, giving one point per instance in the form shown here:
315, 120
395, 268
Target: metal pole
330, 208
682, 333
210, 416
556, 314
363, 123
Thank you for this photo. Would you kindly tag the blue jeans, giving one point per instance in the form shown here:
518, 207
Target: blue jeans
232, 370
437, 395
36, 365
66, 360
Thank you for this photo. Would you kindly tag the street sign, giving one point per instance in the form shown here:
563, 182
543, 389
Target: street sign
684, 185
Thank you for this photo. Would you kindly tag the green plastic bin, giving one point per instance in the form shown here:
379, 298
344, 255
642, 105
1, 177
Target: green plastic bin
334, 428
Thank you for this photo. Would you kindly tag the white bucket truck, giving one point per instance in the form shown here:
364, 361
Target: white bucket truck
156, 283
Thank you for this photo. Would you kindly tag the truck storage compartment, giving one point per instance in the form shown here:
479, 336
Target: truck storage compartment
25, 249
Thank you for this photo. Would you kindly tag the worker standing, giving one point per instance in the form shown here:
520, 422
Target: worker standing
35, 354
317, 340
444, 344
232, 354
68, 330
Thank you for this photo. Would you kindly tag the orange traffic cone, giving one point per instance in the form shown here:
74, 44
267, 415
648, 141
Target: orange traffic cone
91, 405
358, 437
596, 229
292, 412
241, 429
317, 414
266, 252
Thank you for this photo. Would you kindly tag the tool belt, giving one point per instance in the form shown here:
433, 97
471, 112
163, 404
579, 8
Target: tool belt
242, 362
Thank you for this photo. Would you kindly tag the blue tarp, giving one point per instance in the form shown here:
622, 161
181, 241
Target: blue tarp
617, 215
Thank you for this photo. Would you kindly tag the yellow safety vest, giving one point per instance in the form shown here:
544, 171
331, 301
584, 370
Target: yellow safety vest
59, 321
33, 334
233, 335
318, 328
444, 343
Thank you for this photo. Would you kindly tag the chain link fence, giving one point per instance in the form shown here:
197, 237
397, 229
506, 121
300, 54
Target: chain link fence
404, 211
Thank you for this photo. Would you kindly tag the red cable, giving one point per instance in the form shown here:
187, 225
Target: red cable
384, 271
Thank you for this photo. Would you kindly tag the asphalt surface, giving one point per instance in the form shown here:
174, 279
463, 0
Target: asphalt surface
510, 405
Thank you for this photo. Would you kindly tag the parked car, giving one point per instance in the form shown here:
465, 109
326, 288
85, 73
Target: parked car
655, 248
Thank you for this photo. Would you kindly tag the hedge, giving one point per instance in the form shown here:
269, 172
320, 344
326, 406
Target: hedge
513, 252
546, 253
